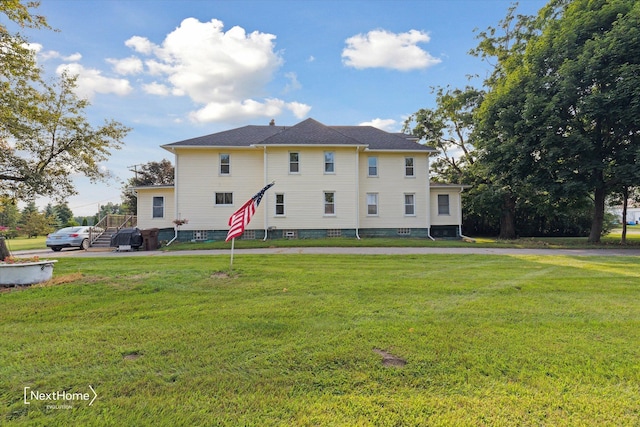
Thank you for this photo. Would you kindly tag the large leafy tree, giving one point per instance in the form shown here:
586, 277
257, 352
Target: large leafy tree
497, 122
48, 142
449, 127
585, 85
561, 114
45, 136
151, 173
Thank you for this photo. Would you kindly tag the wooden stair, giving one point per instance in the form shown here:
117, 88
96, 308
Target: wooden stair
111, 224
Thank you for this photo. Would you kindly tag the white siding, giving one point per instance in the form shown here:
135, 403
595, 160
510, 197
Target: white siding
454, 206
199, 179
304, 191
145, 208
391, 185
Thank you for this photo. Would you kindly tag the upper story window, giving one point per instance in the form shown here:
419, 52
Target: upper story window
279, 204
294, 162
224, 199
443, 204
225, 164
408, 166
373, 166
329, 162
158, 207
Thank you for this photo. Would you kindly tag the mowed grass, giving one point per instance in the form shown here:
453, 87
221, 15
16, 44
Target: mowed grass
289, 340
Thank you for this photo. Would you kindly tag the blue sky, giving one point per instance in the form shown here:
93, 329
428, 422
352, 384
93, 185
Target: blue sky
177, 69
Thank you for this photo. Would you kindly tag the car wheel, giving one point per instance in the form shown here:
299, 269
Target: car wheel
85, 244
56, 249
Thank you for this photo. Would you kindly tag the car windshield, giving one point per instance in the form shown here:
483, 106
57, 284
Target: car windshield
70, 230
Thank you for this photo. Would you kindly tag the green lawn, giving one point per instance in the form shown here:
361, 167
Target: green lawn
23, 243
609, 241
289, 340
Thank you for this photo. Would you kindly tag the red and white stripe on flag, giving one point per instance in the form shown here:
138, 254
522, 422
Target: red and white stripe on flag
240, 219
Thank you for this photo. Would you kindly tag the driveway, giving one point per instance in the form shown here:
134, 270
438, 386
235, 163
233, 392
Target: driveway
334, 251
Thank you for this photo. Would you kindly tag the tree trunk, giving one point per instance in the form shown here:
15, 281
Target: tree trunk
4, 251
598, 215
625, 203
508, 218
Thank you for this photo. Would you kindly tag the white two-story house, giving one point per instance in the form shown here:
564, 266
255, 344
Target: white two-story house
350, 181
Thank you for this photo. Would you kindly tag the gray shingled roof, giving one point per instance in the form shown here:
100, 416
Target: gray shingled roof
307, 132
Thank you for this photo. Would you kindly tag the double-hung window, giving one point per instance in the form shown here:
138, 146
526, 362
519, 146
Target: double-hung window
329, 203
224, 199
329, 162
294, 162
443, 204
410, 204
373, 166
408, 167
372, 204
158, 207
279, 204
225, 164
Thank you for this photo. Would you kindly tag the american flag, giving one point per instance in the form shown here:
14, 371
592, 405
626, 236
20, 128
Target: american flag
240, 218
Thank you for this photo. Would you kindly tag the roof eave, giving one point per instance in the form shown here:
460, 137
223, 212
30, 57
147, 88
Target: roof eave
311, 145
172, 148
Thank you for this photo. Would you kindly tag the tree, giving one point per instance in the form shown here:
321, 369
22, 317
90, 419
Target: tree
18, 69
52, 141
151, 173
37, 224
9, 217
583, 85
497, 116
449, 128
45, 137
64, 214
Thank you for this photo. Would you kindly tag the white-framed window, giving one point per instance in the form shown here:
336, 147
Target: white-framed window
294, 162
372, 204
409, 204
408, 167
158, 207
329, 162
223, 199
225, 164
280, 204
443, 204
329, 203
373, 166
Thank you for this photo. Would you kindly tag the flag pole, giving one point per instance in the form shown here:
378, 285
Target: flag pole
233, 241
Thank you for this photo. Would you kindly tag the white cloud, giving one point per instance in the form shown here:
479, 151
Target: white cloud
388, 125
155, 88
52, 54
140, 44
36, 47
91, 81
293, 84
298, 109
383, 49
75, 57
130, 65
224, 71
248, 108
